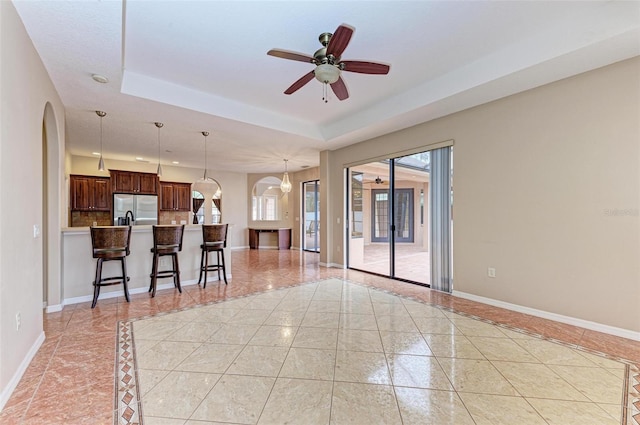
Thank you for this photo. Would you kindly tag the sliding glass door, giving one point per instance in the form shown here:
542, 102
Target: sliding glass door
389, 218
311, 214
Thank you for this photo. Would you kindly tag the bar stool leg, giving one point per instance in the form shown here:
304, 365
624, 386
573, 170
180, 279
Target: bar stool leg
96, 283
201, 265
224, 268
153, 272
154, 277
176, 271
206, 267
125, 278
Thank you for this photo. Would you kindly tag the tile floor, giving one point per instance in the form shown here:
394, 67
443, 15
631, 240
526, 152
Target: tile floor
324, 365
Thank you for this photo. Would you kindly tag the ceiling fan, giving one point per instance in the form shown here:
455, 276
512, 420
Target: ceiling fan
328, 64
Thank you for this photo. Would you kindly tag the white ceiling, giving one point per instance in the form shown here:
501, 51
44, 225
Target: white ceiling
202, 65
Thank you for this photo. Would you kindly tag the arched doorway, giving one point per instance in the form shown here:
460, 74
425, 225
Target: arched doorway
51, 210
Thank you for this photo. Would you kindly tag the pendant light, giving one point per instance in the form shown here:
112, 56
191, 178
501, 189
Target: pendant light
285, 186
159, 170
205, 134
101, 161
206, 184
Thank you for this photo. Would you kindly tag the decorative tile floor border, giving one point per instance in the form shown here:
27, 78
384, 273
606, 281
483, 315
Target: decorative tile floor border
128, 405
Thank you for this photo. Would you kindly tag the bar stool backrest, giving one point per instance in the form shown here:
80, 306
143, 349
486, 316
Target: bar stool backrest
168, 237
215, 235
110, 241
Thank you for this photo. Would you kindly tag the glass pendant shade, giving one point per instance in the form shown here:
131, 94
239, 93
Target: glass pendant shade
285, 186
101, 164
326, 73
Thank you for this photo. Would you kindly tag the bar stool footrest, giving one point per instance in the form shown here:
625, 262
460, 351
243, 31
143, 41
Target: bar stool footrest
114, 280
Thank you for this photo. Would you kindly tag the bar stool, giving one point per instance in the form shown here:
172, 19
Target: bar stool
214, 239
167, 240
110, 243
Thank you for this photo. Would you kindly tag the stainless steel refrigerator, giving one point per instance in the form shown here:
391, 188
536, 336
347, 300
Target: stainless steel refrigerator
142, 209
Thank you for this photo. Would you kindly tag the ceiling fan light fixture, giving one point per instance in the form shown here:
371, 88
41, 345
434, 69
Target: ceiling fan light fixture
326, 73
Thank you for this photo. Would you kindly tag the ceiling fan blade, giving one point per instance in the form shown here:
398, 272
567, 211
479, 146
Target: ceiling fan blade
284, 54
339, 40
340, 89
301, 82
365, 67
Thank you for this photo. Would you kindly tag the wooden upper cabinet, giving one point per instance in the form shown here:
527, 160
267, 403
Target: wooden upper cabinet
175, 196
183, 197
147, 183
132, 182
102, 194
90, 193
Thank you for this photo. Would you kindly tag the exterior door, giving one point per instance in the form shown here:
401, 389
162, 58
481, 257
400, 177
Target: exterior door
379, 215
403, 215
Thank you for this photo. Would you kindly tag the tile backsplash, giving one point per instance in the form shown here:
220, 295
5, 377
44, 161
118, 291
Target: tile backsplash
86, 218
166, 217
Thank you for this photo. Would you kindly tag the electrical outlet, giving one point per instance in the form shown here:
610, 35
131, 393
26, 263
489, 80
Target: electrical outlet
491, 272
18, 321
36, 231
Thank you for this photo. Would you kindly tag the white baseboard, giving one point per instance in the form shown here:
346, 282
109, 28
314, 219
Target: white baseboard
15, 379
587, 324
332, 265
54, 308
143, 290
239, 248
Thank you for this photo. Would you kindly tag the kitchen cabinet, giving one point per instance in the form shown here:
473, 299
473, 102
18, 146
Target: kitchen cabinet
89, 193
132, 182
175, 196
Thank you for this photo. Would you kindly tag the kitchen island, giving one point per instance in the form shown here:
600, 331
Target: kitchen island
79, 266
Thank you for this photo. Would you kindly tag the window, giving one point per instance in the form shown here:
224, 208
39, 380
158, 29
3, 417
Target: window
265, 207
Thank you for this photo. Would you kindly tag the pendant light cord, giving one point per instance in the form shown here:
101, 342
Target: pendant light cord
101, 137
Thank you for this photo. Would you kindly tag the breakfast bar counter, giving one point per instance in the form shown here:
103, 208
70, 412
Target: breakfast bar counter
78, 264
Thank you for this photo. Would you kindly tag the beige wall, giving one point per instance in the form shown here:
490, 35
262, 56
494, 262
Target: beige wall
26, 90
233, 185
547, 191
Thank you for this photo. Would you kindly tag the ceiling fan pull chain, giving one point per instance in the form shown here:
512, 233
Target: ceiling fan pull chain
325, 94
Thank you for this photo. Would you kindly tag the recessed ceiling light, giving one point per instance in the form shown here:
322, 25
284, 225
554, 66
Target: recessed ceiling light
141, 159
175, 162
95, 153
100, 78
